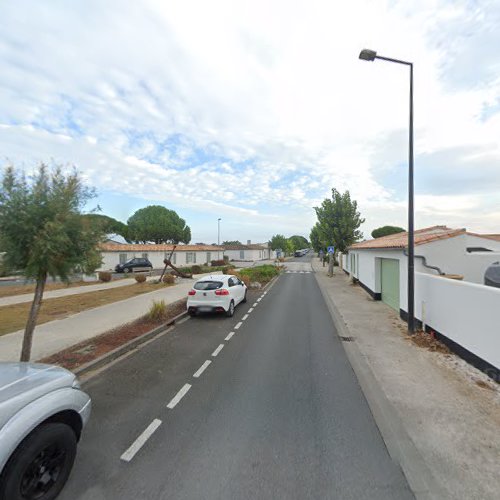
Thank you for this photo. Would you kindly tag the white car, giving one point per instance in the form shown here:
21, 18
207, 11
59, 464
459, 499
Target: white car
217, 293
42, 413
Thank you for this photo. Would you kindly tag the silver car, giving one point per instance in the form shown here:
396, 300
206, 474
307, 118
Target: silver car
42, 413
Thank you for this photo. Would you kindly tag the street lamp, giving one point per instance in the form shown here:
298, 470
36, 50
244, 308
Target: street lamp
218, 236
371, 55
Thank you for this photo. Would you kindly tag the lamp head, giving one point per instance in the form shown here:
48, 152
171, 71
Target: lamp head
368, 55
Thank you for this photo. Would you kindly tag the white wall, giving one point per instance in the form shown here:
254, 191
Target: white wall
253, 254
466, 313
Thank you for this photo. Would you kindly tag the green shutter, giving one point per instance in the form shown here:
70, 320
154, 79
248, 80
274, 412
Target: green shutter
390, 282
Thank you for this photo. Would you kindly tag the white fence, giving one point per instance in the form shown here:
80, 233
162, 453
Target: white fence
464, 312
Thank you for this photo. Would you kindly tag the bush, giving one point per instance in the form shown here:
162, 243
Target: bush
221, 262
169, 279
196, 269
262, 274
228, 270
226, 259
158, 310
140, 278
104, 276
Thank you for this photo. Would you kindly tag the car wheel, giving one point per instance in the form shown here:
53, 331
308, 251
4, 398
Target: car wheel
230, 311
40, 465
192, 313
244, 297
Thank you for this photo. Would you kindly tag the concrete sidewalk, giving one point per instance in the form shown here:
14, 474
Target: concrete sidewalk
453, 422
55, 336
63, 292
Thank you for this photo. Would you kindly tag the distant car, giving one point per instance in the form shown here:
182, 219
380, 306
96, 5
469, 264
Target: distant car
42, 413
133, 264
217, 293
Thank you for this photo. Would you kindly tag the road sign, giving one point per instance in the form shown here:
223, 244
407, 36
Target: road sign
331, 250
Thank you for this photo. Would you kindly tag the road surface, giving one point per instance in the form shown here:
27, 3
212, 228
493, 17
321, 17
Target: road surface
260, 406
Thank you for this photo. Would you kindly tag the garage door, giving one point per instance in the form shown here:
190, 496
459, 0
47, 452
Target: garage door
390, 282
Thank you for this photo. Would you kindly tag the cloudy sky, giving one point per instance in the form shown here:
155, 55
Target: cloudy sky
253, 110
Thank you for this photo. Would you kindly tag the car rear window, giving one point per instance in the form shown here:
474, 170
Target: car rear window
207, 285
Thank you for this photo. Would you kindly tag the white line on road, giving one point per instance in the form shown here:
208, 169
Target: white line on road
259, 299
255, 305
139, 442
238, 325
250, 310
230, 336
202, 368
219, 349
244, 317
179, 396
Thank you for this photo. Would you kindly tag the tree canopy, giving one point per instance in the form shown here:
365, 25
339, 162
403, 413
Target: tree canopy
386, 231
278, 241
315, 238
339, 221
43, 231
234, 242
158, 224
298, 242
108, 225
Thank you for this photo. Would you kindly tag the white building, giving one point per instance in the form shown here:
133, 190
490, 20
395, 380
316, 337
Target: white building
461, 311
184, 255
249, 252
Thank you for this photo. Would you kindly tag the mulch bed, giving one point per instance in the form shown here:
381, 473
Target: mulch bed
86, 351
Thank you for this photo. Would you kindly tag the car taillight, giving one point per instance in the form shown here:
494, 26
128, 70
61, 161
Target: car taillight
222, 291
192, 292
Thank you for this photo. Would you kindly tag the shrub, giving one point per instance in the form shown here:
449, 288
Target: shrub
158, 310
105, 276
226, 258
228, 270
195, 269
262, 274
169, 279
140, 278
221, 262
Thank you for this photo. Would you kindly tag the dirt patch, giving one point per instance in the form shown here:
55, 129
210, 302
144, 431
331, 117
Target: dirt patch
428, 341
91, 349
484, 385
11, 290
14, 317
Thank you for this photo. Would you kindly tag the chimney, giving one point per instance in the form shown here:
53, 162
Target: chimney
249, 242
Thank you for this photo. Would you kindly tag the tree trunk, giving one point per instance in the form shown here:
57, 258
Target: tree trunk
30, 325
330, 264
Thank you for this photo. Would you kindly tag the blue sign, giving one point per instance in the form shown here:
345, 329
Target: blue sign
331, 250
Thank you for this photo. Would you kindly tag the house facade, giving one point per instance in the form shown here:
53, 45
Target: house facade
184, 255
249, 252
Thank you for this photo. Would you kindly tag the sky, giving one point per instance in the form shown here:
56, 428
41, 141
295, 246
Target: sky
252, 111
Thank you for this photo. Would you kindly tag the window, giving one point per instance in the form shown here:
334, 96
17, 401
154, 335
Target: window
231, 282
207, 285
208, 257
123, 258
242, 254
191, 258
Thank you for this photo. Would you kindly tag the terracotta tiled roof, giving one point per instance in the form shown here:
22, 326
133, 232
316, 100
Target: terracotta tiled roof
400, 240
124, 247
252, 246
495, 237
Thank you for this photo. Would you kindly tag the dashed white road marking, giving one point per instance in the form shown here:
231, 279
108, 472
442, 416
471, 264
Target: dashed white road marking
139, 442
230, 336
238, 325
250, 310
244, 317
179, 396
256, 304
202, 368
259, 299
219, 349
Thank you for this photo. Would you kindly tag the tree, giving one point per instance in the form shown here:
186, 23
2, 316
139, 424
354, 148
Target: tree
339, 221
278, 241
108, 225
234, 242
315, 238
298, 242
44, 233
158, 224
386, 231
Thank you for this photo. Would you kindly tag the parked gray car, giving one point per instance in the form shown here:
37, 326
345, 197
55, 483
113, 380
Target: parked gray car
42, 413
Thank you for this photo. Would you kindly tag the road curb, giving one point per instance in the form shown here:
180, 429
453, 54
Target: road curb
128, 346
400, 446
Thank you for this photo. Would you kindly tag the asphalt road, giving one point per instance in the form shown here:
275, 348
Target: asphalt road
277, 414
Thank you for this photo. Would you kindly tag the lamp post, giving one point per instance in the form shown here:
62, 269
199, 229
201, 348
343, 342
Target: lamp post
371, 55
218, 237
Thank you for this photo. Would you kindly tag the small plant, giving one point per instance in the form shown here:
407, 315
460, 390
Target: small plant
169, 279
140, 278
158, 310
195, 269
218, 263
105, 276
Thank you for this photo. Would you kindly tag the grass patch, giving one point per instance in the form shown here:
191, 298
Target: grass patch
10, 290
262, 274
13, 317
